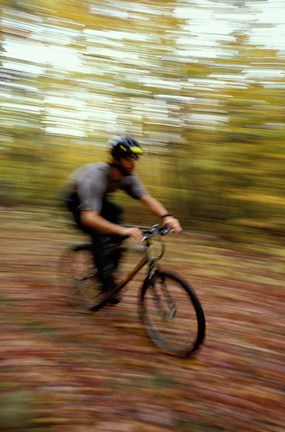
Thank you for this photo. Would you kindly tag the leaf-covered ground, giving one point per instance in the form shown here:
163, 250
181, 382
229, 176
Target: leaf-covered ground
63, 370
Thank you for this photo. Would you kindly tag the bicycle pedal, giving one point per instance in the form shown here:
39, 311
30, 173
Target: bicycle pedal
113, 301
97, 307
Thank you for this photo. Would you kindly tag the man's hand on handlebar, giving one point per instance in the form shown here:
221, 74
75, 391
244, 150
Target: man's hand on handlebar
134, 233
173, 224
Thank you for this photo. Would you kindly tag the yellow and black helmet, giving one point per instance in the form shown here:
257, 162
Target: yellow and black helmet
124, 146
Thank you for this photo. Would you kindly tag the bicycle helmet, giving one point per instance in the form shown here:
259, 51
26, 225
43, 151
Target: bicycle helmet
124, 146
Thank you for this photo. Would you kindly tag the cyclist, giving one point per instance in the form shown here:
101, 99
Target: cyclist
93, 212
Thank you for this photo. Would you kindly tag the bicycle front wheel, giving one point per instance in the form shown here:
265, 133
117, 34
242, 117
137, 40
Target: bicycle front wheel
172, 314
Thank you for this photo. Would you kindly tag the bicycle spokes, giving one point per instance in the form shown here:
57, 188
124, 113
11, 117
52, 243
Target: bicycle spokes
162, 298
85, 284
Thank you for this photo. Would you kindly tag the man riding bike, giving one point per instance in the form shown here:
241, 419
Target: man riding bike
93, 212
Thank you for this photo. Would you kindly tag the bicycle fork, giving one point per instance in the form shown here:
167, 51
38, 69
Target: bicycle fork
161, 296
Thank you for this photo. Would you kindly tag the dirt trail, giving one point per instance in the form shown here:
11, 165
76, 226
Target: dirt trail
67, 371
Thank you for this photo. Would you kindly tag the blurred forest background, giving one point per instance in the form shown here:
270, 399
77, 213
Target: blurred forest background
199, 83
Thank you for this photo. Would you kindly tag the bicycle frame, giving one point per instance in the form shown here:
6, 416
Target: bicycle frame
146, 259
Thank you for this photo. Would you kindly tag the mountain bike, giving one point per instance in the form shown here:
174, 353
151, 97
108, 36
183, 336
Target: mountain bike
169, 308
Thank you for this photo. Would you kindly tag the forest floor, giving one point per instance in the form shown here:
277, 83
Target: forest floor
63, 370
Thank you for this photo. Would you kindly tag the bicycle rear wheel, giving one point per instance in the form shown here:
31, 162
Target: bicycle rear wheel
80, 271
172, 314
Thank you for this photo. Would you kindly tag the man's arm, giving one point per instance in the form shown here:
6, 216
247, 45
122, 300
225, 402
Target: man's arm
160, 211
93, 220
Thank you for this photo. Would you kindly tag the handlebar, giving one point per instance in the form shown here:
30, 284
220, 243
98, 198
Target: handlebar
156, 230
149, 232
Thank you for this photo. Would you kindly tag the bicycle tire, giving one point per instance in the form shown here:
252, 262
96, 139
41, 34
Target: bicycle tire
172, 326
78, 267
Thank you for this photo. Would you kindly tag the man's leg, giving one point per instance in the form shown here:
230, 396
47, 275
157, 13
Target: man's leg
107, 263
105, 267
